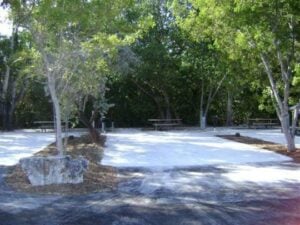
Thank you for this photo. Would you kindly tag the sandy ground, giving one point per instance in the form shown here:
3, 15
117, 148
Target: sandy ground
247, 190
135, 148
24, 143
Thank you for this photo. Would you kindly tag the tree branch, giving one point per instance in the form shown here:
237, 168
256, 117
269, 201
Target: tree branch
272, 82
280, 59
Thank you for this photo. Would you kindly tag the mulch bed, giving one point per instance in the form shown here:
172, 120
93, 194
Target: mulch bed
96, 178
278, 148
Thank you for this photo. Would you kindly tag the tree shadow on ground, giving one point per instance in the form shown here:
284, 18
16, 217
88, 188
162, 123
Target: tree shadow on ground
199, 195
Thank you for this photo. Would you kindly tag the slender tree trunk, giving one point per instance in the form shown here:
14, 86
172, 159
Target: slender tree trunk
57, 116
203, 120
281, 105
66, 123
160, 111
289, 136
8, 108
229, 111
202, 116
168, 113
93, 132
211, 96
6, 80
295, 118
7, 66
5, 97
66, 128
167, 106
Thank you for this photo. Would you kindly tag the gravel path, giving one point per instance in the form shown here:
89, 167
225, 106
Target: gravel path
208, 195
211, 193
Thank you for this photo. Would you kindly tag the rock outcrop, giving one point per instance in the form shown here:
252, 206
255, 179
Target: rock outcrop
54, 170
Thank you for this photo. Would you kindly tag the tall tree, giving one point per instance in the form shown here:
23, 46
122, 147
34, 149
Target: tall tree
208, 68
15, 58
267, 30
158, 65
62, 30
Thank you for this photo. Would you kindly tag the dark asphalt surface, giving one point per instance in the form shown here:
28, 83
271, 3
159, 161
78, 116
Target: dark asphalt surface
211, 195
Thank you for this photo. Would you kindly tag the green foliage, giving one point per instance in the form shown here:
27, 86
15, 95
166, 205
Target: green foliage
149, 57
75, 41
34, 106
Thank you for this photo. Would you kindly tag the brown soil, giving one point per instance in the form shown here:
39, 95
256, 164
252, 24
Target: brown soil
278, 148
96, 178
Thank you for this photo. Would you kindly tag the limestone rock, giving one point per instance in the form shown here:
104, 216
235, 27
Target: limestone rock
54, 170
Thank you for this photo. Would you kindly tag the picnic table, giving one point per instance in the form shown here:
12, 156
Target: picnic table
160, 124
47, 125
262, 123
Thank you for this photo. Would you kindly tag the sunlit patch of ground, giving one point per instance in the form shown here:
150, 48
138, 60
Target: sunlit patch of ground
155, 149
268, 145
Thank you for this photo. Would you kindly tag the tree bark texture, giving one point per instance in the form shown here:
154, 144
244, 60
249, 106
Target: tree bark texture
281, 105
229, 110
57, 116
93, 132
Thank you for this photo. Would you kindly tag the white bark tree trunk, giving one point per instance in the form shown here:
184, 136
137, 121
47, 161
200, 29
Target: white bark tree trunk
289, 136
281, 106
295, 118
8, 88
202, 117
57, 115
203, 122
7, 66
210, 97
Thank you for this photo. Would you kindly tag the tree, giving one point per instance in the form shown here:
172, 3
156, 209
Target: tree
158, 64
266, 30
64, 31
15, 60
208, 68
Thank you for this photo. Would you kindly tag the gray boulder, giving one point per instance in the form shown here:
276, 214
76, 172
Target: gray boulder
54, 170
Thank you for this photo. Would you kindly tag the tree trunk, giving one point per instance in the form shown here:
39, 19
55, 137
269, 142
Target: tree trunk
66, 127
281, 104
167, 106
202, 117
93, 132
203, 121
289, 136
57, 116
6, 80
5, 97
6, 107
295, 118
159, 108
202, 114
229, 111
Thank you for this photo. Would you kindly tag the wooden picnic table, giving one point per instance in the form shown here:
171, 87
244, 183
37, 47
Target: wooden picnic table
262, 123
164, 123
47, 125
